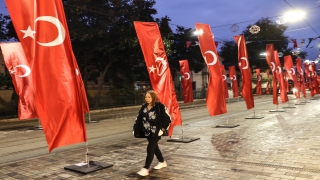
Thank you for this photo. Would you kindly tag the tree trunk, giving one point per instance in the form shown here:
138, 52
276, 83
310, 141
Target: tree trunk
101, 82
85, 78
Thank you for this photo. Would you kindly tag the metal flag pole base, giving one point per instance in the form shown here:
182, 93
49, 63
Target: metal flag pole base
254, 116
300, 103
87, 166
90, 120
183, 139
37, 128
227, 125
289, 106
277, 110
306, 101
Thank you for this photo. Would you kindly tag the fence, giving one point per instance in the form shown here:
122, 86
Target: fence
10, 110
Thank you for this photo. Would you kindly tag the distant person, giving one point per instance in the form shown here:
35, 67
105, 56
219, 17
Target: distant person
151, 122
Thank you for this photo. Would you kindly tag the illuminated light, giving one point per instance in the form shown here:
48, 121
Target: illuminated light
199, 32
294, 90
292, 16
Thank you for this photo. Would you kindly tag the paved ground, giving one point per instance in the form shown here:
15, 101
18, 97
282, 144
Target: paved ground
282, 145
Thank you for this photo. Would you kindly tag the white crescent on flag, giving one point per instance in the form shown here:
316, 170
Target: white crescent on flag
224, 77
245, 59
279, 69
25, 67
259, 78
61, 30
164, 65
273, 66
215, 59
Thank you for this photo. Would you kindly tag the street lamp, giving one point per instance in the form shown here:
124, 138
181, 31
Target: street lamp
292, 16
199, 32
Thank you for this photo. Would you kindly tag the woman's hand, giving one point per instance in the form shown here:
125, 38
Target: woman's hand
160, 132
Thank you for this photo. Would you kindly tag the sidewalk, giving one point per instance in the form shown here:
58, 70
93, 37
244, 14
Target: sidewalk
280, 146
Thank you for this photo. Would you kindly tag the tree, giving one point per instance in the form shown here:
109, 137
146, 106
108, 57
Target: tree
270, 32
7, 33
103, 37
181, 52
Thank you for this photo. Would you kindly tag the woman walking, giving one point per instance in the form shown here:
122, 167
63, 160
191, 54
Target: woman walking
151, 122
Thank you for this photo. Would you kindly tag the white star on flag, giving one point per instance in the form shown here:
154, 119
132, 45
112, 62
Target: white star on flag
152, 69
28, 33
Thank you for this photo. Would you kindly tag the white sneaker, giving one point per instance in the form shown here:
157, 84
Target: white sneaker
161, 165
143, 172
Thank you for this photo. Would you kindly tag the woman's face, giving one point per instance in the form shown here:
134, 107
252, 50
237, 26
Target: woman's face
148, 98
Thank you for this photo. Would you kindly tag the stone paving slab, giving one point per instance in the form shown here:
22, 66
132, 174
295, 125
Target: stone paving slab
280, 146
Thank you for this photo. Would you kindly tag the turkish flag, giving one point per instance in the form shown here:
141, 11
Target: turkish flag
283, 89
188, 44
307, 77
270, 60
288, 64
315, 84
258, 85
224, 81
233, 77
216, 44
216, 102
59, 94
244, 67
158, 68
301, 78
20, 72
268, 83
295, 44
186, 81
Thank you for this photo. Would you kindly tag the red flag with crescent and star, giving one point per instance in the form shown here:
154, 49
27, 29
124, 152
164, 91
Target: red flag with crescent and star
158, 68
224, 81
268, 83
59, 92
233, 78
216, 102
258, 84
20, 73
186, 81
280, 77
315, 84
301, 77
288, 64
270, 60
244, 67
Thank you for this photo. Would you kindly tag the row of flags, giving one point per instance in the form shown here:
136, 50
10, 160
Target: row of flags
295, 42
160, 77
46, 76
44, 71
302, 42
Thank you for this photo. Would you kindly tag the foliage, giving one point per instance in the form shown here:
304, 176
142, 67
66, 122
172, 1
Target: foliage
270, 32
7, 33
181, 52
5, 80
103, 38
6, 28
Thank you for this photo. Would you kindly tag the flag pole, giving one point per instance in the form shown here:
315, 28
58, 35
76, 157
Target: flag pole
277, 110
254, 115
89, 119
289, 105
227, 125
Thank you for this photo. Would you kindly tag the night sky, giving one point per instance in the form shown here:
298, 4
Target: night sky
222, 14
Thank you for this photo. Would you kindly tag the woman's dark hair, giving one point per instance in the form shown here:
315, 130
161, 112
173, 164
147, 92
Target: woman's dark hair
154, 97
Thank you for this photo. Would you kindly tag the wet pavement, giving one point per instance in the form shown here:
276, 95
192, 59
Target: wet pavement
282, 145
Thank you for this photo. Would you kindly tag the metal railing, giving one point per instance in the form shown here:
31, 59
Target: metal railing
10, 110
